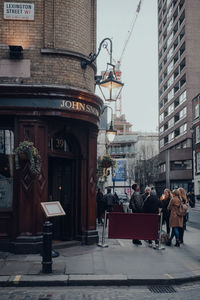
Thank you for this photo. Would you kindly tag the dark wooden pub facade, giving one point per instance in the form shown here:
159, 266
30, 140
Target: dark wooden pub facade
46, 98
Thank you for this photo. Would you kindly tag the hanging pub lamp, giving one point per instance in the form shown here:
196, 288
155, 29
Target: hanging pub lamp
109, 85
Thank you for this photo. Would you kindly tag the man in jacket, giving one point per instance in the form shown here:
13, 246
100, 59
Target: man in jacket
136, 204
151, 206
146, 193
100, 206
109, 200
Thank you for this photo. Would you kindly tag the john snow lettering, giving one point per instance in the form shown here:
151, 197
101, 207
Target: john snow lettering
75, 105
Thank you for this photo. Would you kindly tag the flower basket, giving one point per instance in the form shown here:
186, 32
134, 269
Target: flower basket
23, 155
27, 152
107, 162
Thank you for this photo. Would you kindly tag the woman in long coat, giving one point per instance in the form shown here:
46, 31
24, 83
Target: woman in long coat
175, 220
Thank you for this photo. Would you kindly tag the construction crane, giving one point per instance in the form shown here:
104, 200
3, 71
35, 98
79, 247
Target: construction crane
118, 103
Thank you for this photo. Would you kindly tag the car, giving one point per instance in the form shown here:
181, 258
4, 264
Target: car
123, 198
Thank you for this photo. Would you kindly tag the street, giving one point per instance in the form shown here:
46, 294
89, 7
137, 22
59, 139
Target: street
187, 291
194, 217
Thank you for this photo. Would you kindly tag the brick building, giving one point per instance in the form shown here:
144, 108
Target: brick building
47, 98
179, 81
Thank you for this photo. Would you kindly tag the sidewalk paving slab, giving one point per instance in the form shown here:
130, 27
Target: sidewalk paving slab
122, 263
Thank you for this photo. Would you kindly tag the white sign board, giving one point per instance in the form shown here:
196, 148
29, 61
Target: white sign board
52, 209
18, 11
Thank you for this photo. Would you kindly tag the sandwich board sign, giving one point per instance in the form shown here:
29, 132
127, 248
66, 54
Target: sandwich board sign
53, 209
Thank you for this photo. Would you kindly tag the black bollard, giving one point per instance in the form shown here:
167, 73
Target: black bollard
47, 248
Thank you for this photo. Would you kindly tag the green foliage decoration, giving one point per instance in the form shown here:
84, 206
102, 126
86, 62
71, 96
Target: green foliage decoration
27, 151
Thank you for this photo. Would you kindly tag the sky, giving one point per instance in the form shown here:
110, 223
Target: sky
140, 62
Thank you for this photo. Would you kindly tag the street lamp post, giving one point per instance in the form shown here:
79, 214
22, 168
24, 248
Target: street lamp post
110, 132
108, 83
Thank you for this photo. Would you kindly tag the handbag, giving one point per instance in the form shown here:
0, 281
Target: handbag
182, 210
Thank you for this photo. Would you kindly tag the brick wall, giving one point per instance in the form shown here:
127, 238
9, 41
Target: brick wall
67, 25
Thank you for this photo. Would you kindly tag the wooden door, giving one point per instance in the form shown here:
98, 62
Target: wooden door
61, 185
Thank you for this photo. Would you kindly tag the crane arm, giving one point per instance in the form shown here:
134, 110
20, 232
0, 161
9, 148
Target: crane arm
131, 30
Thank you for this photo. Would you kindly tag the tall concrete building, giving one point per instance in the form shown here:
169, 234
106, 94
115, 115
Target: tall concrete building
179, 81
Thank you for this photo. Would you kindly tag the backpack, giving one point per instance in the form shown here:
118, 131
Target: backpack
182, 210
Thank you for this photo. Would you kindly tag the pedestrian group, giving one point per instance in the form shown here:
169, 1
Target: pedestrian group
173, 204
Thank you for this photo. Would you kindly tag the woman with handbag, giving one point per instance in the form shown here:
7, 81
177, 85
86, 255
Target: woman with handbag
175, 220
185, 218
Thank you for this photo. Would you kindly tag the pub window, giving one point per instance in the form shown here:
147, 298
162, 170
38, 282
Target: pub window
197, 131
198, 162
6, 168
196, 109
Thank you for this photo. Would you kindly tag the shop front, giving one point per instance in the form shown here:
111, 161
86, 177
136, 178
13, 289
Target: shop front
63, 126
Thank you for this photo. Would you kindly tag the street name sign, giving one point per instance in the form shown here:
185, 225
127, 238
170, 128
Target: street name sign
18, 11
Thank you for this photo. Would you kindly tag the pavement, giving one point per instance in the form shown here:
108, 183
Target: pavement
122, 263
197, 206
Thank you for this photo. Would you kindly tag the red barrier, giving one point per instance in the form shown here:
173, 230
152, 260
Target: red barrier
133, 226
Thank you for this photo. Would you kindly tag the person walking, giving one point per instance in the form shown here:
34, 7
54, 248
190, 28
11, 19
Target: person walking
175, 220
109, 200
136, 204
185, 218
151, 206
191, 199
146, 193
166, 213
100, 206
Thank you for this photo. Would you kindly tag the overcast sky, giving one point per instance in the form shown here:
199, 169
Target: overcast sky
140, 62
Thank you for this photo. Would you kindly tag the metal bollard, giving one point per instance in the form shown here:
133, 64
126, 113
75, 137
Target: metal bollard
47, 248
102, 244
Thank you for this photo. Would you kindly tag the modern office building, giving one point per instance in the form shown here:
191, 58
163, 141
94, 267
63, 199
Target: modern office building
179, 81
196, 145
47, 98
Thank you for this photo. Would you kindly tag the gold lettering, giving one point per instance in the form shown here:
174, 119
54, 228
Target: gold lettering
75, 105
88, 108
68, 104
82, 106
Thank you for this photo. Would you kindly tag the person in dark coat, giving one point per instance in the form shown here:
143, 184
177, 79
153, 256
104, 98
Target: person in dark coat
166, 213
116, 198
109, 200
100, 206
136, 204
151, 206
146, 193
191, 198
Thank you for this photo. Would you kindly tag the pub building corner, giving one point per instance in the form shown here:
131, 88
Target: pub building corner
46, 98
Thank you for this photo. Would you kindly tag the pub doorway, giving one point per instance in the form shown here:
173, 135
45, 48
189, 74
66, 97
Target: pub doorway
61, 182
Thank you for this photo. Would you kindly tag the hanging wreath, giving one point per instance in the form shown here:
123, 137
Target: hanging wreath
27, 151
107, 161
